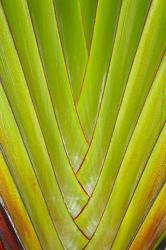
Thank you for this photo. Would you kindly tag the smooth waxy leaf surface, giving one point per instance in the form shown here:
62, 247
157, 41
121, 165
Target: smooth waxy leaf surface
11, 72
46, 31
88, 11
74, 46
24, 176
154, 224
82, 123
99, 58
9, 193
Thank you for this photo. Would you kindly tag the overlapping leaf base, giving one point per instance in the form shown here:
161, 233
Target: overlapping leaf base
82, 123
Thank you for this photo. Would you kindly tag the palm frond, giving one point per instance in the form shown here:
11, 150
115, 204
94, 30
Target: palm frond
82, 124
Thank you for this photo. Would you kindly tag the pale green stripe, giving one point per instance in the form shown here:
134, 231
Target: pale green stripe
17, 92
24, 176
45, 27
70, 234
111, 168
16, 209
145, 66
98, 63
88, 10
138, 152
150, 184
73, 41
154, 224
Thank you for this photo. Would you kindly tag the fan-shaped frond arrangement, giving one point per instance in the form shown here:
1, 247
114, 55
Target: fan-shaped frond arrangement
82, 124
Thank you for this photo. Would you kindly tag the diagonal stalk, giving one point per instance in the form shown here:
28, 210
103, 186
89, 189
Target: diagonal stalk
21, 169
145, 66
43, 185
88, 10
74, 46
17, 211
148, 128
16, 89
153, 225
96, 73
150, 184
